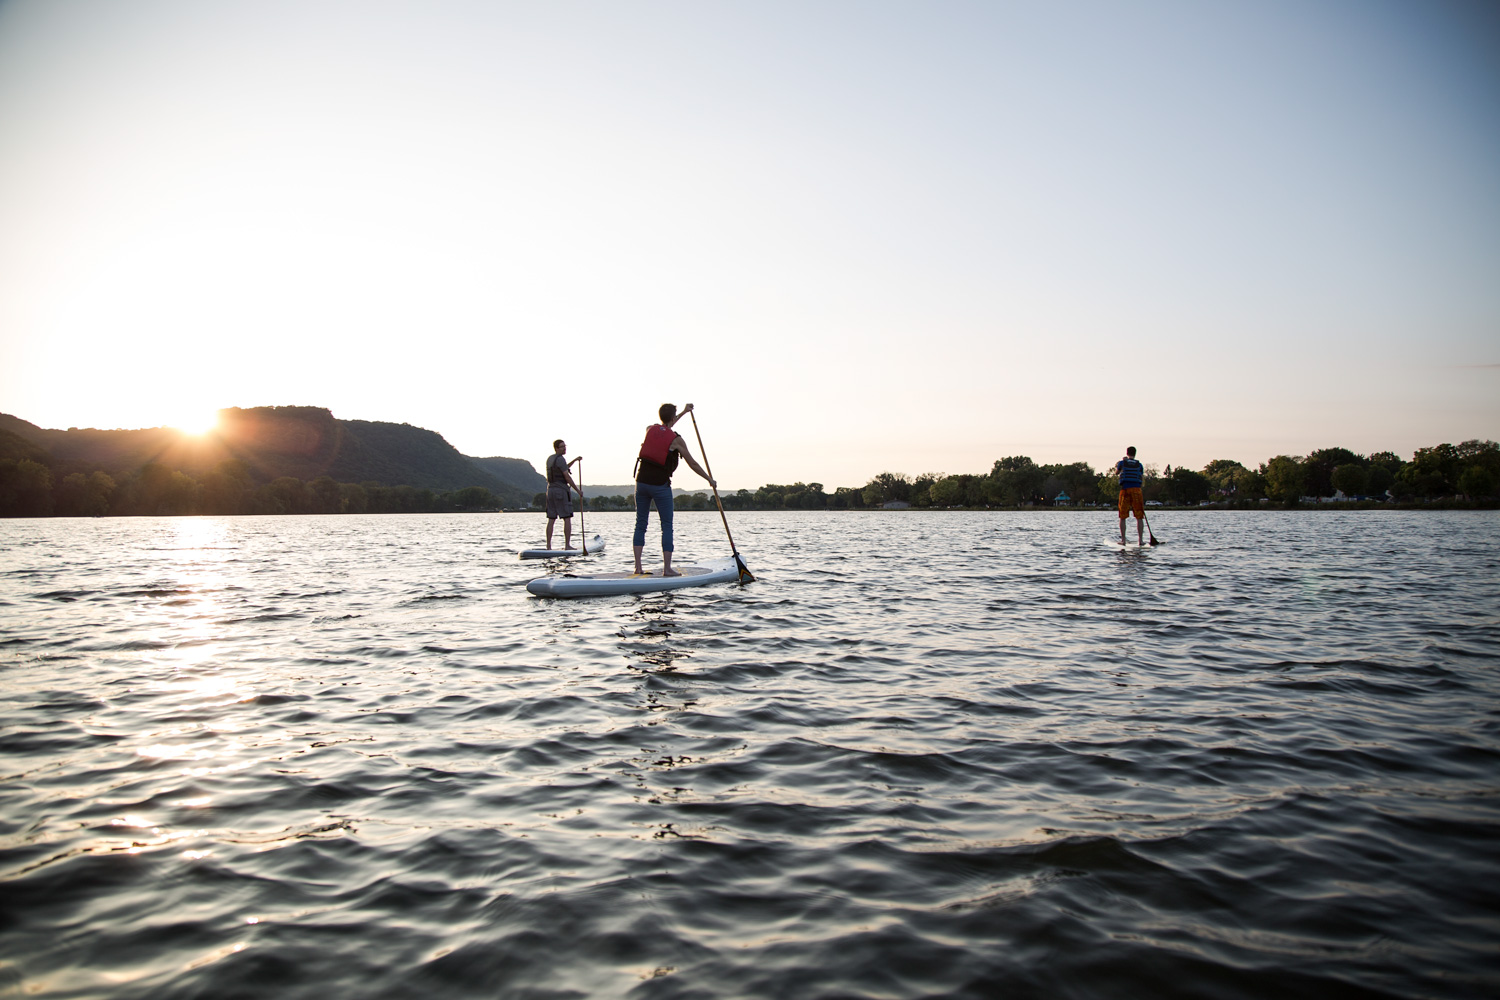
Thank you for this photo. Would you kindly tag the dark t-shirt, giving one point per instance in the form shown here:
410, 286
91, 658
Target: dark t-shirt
658, 475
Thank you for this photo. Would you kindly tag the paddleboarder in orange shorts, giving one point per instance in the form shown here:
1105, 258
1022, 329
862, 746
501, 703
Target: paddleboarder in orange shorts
1132, 477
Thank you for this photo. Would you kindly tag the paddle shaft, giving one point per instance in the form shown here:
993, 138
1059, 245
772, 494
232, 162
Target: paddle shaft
710, 469
583, 539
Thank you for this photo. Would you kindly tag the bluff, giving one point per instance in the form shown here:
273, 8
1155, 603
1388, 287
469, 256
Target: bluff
270, 442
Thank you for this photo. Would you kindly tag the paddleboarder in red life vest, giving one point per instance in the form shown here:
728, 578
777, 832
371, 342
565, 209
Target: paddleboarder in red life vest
653, 481
559, 500
1132, 479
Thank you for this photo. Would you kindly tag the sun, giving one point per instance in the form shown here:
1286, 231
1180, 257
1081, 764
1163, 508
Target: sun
198, 423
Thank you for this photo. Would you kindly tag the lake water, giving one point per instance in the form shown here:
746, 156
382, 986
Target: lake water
925, 754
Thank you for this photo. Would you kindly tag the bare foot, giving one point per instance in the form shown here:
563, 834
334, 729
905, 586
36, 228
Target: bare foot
670, 572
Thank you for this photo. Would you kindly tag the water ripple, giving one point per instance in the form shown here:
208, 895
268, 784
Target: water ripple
928, 754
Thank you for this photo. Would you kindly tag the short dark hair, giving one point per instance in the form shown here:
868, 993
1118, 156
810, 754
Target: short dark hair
556, 444
667, 411
1130, 451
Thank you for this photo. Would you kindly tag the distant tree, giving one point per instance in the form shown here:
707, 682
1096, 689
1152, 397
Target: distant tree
1221, 470
770, 496
80, 495
920, 494
1477, 482
25, 488
1015, 480
474, 498
847, 498
324, 496
353, 498
1352, 479
1077, 479
540, 500
1432, 472
1153, 485
1485, 454
1379, 480
159, 490
1317, 469
887, 487
977, 490
1284, 478
1228, 477
285, 495
948, 491
227, 489
799, 496
70, 496
1249, 485
1186, 486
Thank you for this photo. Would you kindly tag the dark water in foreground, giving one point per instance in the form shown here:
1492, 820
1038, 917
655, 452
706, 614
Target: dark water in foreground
928, 754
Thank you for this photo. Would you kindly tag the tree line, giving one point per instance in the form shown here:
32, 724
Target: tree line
28, 488
1467, 471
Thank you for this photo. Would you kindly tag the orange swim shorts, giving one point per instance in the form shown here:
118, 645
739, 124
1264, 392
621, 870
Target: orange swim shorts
1130, 499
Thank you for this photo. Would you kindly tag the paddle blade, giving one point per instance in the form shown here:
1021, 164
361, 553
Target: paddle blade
745, 576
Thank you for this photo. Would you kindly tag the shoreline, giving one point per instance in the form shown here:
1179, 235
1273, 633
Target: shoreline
537, 512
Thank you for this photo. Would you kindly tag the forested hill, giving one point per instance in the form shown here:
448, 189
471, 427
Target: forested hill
269, 442
14, 447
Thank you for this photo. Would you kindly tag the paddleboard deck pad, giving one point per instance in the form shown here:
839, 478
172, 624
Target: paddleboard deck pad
596, 544
606, 584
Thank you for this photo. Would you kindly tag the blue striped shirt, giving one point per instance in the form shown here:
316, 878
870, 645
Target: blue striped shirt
1132, 473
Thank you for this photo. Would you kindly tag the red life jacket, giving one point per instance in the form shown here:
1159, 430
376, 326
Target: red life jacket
657, 461
658, 443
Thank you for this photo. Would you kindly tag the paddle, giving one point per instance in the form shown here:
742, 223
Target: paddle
583, 539
1149, 532
745, 576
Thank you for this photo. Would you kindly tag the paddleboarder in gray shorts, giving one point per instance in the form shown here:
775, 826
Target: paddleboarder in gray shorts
559, 494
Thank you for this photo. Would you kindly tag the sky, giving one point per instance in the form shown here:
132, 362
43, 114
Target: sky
858, 236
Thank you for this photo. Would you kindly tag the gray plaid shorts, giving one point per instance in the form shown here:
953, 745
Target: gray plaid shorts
559, 502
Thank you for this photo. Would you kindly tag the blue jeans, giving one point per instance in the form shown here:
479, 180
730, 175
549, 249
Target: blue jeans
662, 495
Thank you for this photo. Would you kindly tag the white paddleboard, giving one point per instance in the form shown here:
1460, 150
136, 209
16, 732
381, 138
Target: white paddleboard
604, 584
596, 544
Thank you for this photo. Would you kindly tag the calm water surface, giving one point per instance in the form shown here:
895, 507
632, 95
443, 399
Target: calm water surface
926, 755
